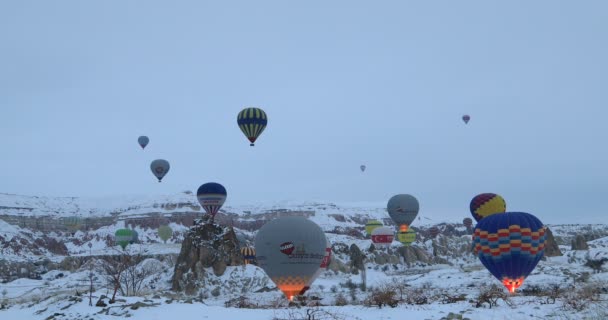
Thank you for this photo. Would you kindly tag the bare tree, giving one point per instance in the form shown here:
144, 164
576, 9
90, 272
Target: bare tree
126, 273
135, 273
113, 269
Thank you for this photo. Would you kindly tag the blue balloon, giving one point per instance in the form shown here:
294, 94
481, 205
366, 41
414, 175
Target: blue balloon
510, 245
211, 196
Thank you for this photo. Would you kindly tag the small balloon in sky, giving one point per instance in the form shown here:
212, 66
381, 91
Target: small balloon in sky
252, 121
143, 141
159, 168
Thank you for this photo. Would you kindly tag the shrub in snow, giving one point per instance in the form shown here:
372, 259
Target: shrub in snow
382, 296
491, 295
340, 300
583, 297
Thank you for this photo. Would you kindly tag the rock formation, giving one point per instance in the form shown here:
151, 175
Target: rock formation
206, 245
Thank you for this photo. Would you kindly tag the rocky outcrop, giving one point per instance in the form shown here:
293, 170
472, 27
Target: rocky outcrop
206, 245
412, 255
551, 247
579, 243
357, 259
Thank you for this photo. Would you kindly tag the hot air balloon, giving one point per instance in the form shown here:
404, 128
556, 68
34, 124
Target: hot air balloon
382, 237
165, 232
406, 237
248, 255
322, 268
143, 141
509, 245
403, 209
290, 250
371, 225
211, 196
434, 231
159, 168
252, 122
485, 204
362, 168
468, 222
466, 118
123, 237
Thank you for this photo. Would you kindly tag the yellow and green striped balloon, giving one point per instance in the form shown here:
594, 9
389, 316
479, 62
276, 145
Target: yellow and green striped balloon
252, 121
406, 237
371, 225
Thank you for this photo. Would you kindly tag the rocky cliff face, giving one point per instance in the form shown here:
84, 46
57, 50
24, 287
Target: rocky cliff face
579, 243
551, 247
206, 245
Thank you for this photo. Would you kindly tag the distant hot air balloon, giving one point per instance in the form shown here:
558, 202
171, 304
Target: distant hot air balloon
509, 245
322, 268
123, 237
252, 122
485, 204
159, 168
403, 209
371, 225
406, 237
248, 254
290, 250
434, 231
468, 222
466, 118
211, 196
165, 232
362, 168
143, 141
382, 237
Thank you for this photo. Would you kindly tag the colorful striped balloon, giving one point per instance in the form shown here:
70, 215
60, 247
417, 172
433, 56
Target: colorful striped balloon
510, 245
252, 121
248, 254
485, 204
211, 196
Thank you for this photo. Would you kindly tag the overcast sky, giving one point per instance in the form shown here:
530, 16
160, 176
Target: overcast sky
344, 83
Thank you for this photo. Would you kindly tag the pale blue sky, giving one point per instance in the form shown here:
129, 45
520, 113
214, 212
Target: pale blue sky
344, 83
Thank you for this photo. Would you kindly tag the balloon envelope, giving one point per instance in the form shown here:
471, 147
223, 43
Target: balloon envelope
382, 237
123, 237
510, 245
371, 225
363, 168
406, 237
466, 118
403, 209
290, 250
159, 168
248, 255
485, 204
165, 232
143, 141
211, 196
252, 121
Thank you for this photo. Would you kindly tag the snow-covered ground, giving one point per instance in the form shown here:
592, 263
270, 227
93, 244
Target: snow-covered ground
61, 294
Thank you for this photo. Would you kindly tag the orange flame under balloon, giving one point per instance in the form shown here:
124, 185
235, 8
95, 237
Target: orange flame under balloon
291, 291
512, 284
403, 228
